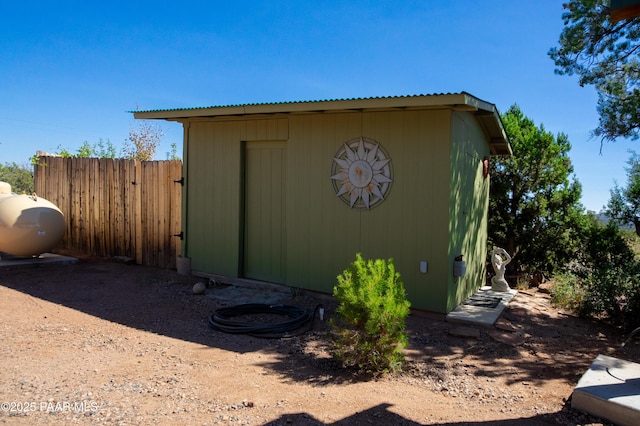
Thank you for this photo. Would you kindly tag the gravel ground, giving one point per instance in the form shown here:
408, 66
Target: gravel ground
102, 342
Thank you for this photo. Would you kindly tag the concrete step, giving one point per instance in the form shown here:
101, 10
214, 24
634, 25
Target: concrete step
610, 389
480, 314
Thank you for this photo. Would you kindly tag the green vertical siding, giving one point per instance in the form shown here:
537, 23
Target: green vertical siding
407, 226
321, 227
265, 189
468, 204
214, 182
428, 215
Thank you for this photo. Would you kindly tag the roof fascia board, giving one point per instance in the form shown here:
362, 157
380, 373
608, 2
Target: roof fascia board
462, 100
458, 101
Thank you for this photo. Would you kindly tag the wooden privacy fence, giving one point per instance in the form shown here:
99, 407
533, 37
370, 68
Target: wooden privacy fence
116, 207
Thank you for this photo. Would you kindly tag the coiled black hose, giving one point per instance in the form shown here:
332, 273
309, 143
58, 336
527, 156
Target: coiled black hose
222, 320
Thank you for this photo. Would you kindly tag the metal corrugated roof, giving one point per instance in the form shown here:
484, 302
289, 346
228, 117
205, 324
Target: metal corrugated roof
486, 112
316, 101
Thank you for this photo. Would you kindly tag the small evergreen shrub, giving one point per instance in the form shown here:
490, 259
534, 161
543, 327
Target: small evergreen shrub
368, 333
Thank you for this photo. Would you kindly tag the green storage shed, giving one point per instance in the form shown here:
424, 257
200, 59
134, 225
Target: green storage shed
289, 192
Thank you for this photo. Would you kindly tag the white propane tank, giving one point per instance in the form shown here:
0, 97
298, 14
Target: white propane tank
29, 225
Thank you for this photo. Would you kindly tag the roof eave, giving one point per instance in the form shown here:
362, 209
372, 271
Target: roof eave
494, 128
486, 112
314, 106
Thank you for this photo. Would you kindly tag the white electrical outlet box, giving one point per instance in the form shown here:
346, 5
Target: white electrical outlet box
423, 266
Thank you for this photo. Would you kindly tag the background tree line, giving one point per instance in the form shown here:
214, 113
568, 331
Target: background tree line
535, 208
603, 50
536, 215
141, 145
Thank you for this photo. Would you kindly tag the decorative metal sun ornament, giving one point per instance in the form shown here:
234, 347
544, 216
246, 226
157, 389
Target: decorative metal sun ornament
361, 173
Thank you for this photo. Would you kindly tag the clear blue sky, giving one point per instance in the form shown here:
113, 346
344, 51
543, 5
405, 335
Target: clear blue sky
70, 70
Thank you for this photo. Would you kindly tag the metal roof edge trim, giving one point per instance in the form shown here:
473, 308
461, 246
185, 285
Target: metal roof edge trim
318, 105
424, 100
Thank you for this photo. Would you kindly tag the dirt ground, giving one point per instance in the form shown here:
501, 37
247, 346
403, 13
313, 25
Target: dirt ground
101, 342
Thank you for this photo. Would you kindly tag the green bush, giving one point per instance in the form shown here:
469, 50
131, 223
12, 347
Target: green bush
633, 241
568, 292
605, 281
19, 177
368, 334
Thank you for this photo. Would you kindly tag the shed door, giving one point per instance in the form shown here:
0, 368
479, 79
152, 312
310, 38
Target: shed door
265, 195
